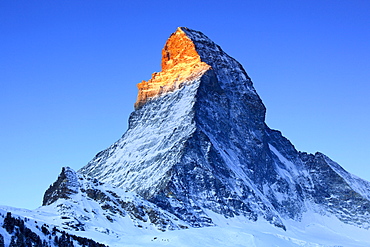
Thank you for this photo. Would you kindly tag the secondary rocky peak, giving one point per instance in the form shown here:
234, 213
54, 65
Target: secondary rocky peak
181, 63
64, 187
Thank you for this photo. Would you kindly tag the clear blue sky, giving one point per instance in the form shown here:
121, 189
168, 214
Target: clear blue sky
69, 69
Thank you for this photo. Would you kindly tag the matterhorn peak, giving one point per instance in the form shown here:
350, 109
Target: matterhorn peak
197, 144
181, 63
186, 56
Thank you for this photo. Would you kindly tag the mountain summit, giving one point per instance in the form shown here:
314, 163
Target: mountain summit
181, 63
198, 145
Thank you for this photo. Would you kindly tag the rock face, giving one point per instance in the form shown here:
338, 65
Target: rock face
65, 186
181, 64
197, 144
81, 201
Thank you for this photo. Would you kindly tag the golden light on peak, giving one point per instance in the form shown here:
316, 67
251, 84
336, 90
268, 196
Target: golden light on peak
180, 63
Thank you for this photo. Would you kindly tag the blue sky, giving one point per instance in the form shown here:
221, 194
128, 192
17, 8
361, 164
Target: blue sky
69, 69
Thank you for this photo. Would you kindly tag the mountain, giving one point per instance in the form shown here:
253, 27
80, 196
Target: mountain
198, 161
198, 142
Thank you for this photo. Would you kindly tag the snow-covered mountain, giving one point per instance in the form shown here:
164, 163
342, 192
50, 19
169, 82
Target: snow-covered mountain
198, 158
204, 146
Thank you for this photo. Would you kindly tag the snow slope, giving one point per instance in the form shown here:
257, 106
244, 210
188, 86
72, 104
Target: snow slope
228, 232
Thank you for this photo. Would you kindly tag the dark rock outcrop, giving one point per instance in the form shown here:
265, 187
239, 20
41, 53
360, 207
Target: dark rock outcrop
64, 187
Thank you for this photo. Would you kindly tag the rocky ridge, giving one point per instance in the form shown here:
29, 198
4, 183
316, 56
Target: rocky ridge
80, 200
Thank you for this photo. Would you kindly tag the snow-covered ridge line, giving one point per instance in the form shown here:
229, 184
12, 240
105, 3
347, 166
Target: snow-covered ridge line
229, 232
